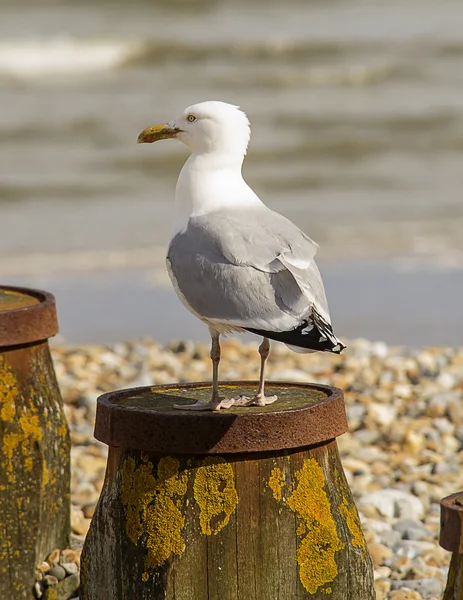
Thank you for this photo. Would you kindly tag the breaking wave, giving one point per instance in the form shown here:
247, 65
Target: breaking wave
61, 56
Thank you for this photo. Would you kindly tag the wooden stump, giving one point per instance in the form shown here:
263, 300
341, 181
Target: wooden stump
34, 442
245, 504
451, 539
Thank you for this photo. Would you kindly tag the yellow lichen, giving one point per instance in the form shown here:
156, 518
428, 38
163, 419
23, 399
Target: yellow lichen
353, 523
10, 443
20, 432
30, 425
276, 483
317, 549
348, 510
215, 493
151, 512
8, 393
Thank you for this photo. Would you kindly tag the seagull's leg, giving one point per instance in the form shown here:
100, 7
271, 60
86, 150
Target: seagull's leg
215, 357
216, 402
264, 351
260, 399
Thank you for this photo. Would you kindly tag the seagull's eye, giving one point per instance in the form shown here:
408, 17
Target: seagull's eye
191, 118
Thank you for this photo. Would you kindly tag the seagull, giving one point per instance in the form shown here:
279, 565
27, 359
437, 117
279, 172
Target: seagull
234, 263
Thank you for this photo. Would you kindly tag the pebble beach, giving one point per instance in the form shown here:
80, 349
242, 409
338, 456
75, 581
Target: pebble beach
401, 456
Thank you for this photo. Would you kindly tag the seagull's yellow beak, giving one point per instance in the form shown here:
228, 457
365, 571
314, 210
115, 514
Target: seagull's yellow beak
157, 132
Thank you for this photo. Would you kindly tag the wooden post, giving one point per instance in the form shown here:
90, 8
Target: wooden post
451, 539
245, 504
34, 442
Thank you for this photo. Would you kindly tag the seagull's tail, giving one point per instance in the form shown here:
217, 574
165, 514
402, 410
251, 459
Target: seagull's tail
336, 349
300, 350
312, 335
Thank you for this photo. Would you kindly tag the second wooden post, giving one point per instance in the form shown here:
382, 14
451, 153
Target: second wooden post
34, 442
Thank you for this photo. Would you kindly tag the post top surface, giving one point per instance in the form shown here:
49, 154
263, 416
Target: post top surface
163, 398
145, 418
26, 315
12, 299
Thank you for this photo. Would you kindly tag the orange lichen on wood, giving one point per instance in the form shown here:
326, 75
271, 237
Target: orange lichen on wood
353, 523
215, 493
152, 508
320, 540
21, 423
8, 393
276, 483
348, 510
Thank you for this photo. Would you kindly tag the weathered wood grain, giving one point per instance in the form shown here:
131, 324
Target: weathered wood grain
279, 526
247, 524
185, 568
454, 587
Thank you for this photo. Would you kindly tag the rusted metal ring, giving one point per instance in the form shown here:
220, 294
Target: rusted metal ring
144, 419
451, 523
26, 315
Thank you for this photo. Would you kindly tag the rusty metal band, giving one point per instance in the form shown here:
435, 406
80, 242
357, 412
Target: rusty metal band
182, 432
28, 324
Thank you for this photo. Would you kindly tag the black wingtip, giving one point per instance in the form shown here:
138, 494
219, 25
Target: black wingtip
338, 348
314, 340
314, 333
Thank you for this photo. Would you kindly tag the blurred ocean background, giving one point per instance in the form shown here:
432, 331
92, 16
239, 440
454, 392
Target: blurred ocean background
357, 118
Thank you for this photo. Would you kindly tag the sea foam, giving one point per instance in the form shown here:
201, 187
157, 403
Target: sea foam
63, 56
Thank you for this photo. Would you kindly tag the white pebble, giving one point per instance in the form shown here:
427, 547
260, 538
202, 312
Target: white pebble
394, 503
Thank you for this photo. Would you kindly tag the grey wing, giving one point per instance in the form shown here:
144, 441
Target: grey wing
255, 271
258, 238
269, 242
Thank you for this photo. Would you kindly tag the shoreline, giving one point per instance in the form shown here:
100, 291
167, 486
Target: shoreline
376, 300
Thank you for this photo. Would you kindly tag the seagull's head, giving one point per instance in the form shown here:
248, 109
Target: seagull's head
207, 127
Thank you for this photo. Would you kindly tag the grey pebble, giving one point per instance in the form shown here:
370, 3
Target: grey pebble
367, 436
412, 548
50, 580
58, 572
411, 530
459, 433
404, 509
389, 537
77, 542
428, 588
355, 415
70, 568
393, 503
443, 399
444, 468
